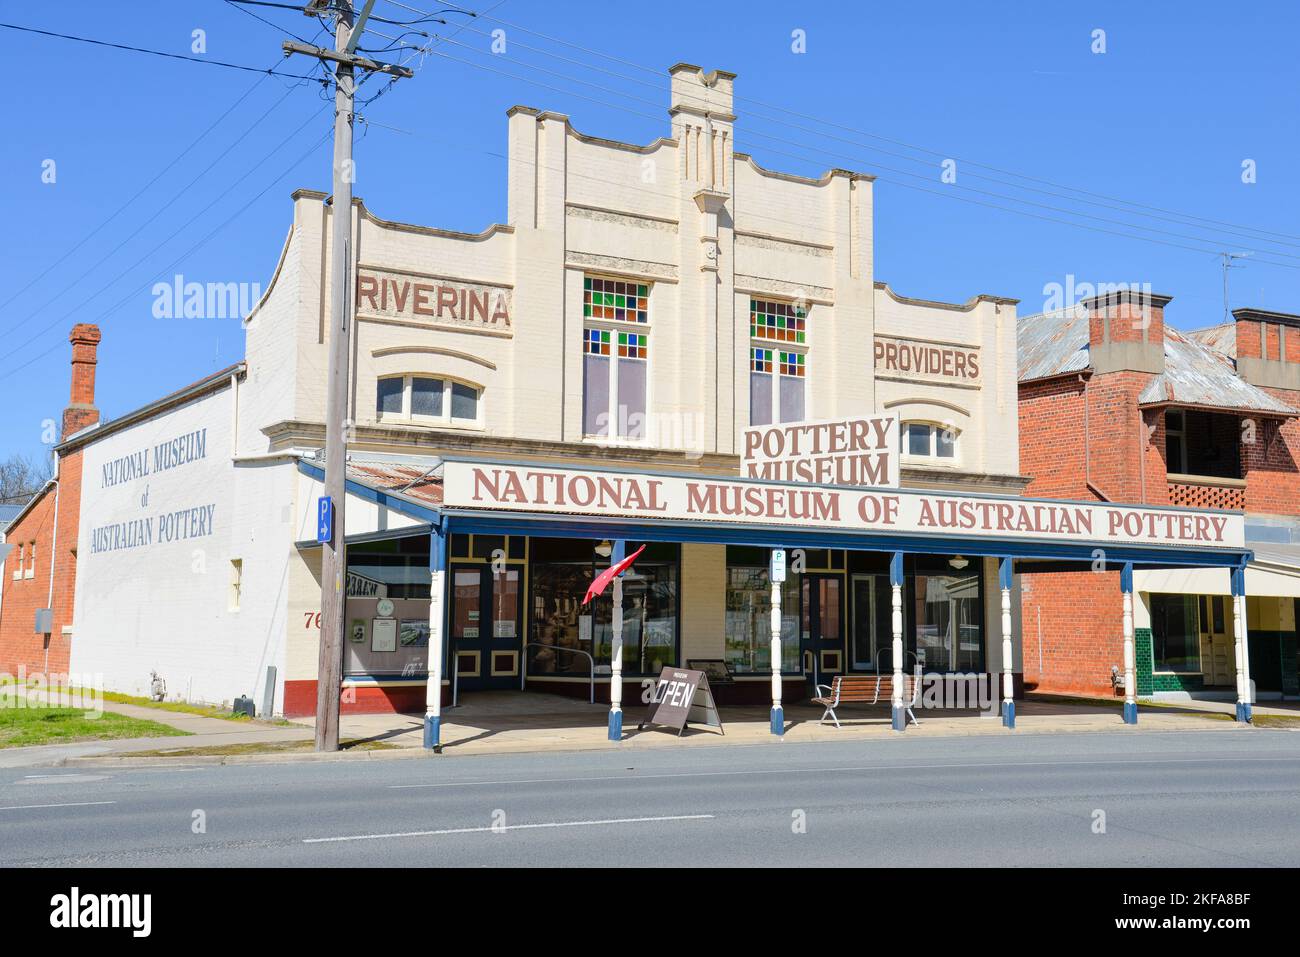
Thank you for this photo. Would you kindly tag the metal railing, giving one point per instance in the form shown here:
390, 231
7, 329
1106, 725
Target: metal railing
523, 665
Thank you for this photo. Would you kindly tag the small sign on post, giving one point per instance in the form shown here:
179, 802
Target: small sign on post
324, 519
682, 695
777, 571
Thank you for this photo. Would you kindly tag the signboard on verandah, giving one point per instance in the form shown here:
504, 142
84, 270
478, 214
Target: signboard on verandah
681, 695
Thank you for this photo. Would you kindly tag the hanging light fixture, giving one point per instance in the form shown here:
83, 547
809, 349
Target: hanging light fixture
605, 549
958, 562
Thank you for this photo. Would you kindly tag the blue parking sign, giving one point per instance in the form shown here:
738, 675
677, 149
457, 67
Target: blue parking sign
324, 519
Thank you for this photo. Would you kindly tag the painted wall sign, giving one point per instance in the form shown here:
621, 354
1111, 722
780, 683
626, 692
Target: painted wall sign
861, 450
920, 360
396, 295
903, 511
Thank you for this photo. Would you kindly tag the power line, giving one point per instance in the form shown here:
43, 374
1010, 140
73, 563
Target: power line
948, 193
1118, 205
8, 372
166, 206
171, 56
184, 227
179, 156
897, 142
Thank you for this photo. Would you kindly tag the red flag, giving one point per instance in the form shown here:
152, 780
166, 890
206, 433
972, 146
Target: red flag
609, 574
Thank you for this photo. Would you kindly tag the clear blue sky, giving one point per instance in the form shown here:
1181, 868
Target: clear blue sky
1183, 94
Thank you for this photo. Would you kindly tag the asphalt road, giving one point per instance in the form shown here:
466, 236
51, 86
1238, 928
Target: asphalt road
1174, 799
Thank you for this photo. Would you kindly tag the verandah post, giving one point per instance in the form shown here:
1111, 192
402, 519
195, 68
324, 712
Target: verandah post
1008, 683
1241, 644
437, 586
1130, 669
776, 577
896, 603
616, 648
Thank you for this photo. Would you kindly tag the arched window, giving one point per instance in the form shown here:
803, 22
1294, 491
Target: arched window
428, 400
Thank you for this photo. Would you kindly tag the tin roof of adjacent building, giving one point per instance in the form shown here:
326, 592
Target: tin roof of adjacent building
1196, 373
1221, 338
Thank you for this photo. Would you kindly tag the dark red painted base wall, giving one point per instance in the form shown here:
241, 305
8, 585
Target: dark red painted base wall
300, 699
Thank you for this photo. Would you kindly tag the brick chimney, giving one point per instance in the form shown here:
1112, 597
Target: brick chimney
1268, 348
81, 410
1126, 331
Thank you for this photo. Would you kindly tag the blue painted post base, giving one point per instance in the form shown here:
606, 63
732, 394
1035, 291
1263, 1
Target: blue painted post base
616, 725
778, 722
1243, 712
1009, 714
1130, 712
433, 733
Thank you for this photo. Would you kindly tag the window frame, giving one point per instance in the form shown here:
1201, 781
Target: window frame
1181, 434
799, 348
614, 327
932, 457
446, 420
1190, 605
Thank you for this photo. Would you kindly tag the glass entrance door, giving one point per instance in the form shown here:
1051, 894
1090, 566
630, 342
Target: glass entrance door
822, 629
485, 626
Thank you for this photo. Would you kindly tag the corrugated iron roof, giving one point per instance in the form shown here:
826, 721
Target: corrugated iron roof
413, 479
1051, 343
1196, 373
1222, 338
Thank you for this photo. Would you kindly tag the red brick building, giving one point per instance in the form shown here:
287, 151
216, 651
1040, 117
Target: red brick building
1116, 406
39, 573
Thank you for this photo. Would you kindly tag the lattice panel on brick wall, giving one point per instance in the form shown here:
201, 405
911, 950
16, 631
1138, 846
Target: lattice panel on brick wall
1207, 496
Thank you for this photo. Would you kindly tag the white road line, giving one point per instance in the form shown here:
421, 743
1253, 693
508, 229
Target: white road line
632, 776
509, 827
33, 807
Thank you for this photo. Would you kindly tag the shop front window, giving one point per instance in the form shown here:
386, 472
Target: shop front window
561, 626
947, 606
386, 624
748, 645
1175, 633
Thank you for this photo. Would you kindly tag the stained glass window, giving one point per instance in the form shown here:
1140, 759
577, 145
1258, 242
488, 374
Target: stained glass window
631, 345
615, 299
760, 360
792, 363
596, 342
782, 321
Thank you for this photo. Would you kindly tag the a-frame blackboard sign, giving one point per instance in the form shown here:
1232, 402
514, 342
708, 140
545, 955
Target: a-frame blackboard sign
682, 695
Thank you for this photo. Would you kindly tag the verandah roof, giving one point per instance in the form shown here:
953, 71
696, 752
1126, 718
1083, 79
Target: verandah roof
414, 487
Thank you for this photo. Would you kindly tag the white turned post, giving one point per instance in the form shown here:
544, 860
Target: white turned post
778, 716
1241, 645
1008, 680
1130, 668
896, 621
616, 665
433, 688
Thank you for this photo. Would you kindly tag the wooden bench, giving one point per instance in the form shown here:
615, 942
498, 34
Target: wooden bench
864, 689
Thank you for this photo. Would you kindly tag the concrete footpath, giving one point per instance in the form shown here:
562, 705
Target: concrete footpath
525, 722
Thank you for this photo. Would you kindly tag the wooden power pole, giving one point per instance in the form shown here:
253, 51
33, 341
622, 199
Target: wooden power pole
333, 579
